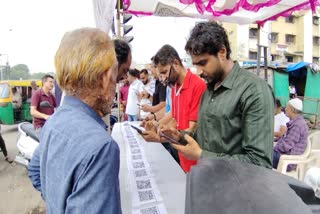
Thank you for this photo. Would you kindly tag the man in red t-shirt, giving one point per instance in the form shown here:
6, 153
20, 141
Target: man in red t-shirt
187, 89
41, 114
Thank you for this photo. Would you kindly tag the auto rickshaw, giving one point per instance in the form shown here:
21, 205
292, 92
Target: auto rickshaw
9, 115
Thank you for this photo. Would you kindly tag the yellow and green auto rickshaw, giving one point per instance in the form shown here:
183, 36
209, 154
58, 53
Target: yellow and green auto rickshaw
9, 115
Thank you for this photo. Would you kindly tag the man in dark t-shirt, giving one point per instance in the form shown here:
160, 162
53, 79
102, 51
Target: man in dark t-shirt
158, 98
41, 114
159, 93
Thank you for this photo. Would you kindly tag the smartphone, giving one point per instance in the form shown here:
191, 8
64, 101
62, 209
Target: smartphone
170, 139
137, 129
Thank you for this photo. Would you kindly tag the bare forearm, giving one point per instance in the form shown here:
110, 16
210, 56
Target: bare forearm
38, 114
281, 132
277, 134
160, 114
158, 107
166, 118
192, 126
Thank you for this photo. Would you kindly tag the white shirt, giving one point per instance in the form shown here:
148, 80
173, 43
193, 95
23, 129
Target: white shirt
280, 120
292, 90
150, 88
132, 103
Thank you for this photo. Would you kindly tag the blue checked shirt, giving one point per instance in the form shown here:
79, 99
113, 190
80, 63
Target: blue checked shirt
76, 164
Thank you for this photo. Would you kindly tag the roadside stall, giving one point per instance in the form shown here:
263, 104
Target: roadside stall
305, 78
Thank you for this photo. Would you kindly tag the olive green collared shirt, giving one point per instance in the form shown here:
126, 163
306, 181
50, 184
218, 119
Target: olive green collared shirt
236, 119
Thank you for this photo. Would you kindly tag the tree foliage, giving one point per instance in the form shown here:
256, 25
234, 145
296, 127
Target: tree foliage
20, 71
37, 76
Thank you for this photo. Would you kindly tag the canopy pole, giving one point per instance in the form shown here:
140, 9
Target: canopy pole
118, 19
118, 37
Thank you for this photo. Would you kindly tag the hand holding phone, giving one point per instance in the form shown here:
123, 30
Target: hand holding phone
137, 129
170, 139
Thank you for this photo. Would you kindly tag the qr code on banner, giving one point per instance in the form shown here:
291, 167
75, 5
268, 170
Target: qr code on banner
136, 157
146, 195
144, 184
137, 165
140, 173
133, 142
135, 151
150, 210
131, 137
132, 146
129, 133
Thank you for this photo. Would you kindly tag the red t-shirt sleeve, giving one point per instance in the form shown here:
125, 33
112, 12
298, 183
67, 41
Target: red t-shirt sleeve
197, 93
35, 99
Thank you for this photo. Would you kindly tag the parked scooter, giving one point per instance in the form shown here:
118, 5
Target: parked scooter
27, 139
27, 143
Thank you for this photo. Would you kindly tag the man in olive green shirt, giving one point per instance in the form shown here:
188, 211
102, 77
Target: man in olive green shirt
236, 111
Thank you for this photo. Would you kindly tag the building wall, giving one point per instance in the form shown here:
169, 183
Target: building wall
293, 50
308, 39
243, 42
302, 49
316, 33
232, 35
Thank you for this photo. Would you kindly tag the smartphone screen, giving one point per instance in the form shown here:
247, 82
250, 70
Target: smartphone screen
137, 129
170, 139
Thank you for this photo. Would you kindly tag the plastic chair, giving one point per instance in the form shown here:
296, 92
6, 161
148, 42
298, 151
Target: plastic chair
300, 160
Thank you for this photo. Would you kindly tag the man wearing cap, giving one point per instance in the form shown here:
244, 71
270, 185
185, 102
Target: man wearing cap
295, 140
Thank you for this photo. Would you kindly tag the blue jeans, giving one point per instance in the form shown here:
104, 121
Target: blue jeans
132, 117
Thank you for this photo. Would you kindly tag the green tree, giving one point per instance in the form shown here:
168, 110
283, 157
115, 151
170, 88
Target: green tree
20, 71
39, 75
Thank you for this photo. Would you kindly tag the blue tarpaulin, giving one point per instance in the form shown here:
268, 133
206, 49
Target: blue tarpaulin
296, 66
297, 70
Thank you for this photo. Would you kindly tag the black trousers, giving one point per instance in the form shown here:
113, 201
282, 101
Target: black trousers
173, 152
3, 146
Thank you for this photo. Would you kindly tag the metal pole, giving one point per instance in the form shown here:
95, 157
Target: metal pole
317, 114
118, 19
118, 36
7, 66
265, 63
258, 52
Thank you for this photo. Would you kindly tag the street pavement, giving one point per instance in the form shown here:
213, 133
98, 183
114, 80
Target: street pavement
16, 191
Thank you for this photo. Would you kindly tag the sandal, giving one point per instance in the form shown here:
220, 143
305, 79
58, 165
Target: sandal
9, 159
